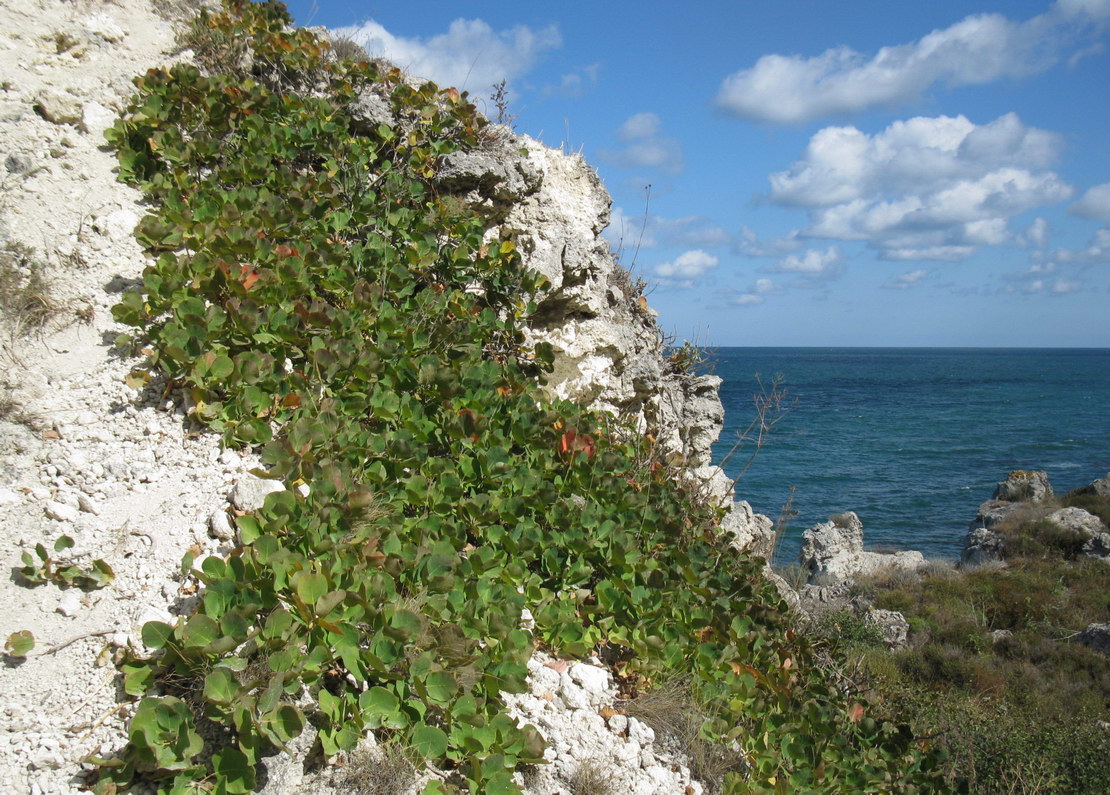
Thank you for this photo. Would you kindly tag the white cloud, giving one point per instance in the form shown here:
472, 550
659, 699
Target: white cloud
923, 188
684, 269
979, 49
1095, 204
470, 55
752, 246
757, 292
904, 281
1050, 287
689, 231
643, 146
1036, 236
1097, 251
812, 263
575, 84
639, 125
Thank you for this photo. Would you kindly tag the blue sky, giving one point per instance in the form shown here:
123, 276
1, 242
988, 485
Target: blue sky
821, 173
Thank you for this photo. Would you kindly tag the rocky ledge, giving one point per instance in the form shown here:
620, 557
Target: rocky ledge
1026, 496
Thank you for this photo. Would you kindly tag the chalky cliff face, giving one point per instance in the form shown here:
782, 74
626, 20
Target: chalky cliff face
608, 348
609, 351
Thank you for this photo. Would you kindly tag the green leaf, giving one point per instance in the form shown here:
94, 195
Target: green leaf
235, 771
429, 741
63, 543
220, 686
19, 643
310, 586
200, 630
156, 634
284, 723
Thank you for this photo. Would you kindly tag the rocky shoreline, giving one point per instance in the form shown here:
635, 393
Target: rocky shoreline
833, 556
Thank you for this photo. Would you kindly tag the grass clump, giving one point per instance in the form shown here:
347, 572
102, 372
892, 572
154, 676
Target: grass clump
993, 669
322, 302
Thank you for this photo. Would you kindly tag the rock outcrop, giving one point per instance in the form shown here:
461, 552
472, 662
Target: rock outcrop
833, 551
1076, 520
1012, 496
609, 351
1023, 496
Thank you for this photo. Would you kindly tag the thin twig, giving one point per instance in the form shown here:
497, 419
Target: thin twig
98, 634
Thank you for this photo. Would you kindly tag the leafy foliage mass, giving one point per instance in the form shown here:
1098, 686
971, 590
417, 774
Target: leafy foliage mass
321, 301
46, 569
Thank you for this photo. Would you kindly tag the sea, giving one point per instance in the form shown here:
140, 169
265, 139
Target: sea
911, 439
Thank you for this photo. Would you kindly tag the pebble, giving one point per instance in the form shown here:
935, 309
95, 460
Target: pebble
70, 603
219, 526
63, 513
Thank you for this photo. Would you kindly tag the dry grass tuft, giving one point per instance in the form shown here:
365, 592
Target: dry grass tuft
385, 770
672, 711
590, 778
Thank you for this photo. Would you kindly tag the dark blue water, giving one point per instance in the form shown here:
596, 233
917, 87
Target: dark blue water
913, 439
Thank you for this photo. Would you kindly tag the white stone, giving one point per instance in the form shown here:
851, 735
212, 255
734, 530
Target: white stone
95, 118
219, 526
250, 492
60, 107
63, 513
70, 603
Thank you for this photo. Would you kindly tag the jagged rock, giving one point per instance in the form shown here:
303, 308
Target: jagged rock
981, 547
1023, 486
1097, 637
95, 119
60, 511
491, 176
834, 550
59, 107
250, 492
219, 526
891, 624
18, 163
1079, 521
1097, 488
749, 531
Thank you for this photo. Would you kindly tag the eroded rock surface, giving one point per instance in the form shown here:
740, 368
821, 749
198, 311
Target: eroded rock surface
833, 551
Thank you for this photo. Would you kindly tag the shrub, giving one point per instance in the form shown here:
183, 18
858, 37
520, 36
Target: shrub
321, 302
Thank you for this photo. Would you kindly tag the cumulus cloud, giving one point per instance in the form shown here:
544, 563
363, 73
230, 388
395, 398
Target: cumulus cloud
644, 146
812, 263
1096, 252
979, 49
470, 55
757, 292
691, 231
904, 281
923, 188
1036, 235
750, 244
1095, 204
684, 269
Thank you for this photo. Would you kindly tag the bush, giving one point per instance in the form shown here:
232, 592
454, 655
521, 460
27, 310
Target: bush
323, 303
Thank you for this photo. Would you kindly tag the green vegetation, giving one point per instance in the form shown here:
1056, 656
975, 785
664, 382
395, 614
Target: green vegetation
993, 667
46, 569
319, 300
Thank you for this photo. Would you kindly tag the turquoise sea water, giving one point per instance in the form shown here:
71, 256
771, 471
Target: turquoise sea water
913, 439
